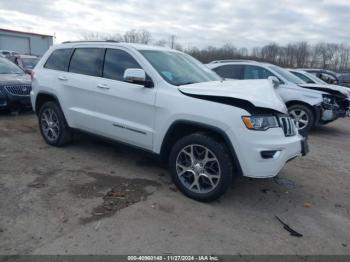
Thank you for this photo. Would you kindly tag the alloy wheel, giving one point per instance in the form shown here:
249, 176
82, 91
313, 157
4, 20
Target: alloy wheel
50, 124
300, 118
198, 168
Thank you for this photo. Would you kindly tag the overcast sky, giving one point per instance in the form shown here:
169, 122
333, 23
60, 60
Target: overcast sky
243, 23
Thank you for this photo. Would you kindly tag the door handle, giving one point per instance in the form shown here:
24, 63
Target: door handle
103, 86
63, 78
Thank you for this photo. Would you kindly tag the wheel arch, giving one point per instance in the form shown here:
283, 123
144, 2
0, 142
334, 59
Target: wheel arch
316, 110
44, 97
181, 128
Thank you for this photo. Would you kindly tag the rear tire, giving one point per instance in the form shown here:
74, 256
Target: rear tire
53, 125
303, 116
201, 167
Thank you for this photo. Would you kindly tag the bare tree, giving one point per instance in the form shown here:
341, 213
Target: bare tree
131, 36
98, 36
145, 37
161, 42
299, 54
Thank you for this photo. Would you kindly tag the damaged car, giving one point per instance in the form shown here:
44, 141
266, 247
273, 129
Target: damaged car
309, 78
309, 105
164, 101
330, 77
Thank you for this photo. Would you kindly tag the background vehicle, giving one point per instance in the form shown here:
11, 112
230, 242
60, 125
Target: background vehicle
15, 86
26, 62
307, 106
168, 103
330, 77
312, 79
7, 53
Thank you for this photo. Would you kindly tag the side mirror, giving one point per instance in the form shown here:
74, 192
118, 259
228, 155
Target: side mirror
275, 81
135, 76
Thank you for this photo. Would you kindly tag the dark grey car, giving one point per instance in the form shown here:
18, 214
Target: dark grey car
15, 86
330, 77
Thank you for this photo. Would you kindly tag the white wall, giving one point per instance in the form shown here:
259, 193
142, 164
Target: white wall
25, 43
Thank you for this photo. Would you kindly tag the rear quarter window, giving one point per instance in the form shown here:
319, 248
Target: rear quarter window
59, 59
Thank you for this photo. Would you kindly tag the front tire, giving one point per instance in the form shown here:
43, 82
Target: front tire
201, 167
303, 116
53, 125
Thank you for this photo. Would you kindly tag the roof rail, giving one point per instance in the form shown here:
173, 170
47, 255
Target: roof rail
231, 60
89, 41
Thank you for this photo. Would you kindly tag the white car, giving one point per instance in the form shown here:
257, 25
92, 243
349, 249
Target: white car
167, 103
307, 105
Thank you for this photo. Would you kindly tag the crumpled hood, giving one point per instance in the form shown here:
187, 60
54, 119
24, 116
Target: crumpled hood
260, 93
6, 79
331, 89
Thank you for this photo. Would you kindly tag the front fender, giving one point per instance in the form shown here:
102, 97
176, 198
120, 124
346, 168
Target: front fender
310, 98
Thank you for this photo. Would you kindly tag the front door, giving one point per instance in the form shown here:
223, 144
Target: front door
126, 111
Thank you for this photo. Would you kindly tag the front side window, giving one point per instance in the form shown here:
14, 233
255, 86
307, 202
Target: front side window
59, 59
116, 62
256, 72
303, 77
7, 67
178, 68
230, 71
87, 61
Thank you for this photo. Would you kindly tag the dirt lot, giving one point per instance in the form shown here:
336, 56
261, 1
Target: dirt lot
94, 197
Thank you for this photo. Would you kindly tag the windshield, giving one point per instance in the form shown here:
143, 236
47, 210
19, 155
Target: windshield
178, 68
287, 75
29, 63
7, 67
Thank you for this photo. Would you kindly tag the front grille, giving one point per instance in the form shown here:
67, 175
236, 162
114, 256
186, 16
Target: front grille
287, 125
19, 90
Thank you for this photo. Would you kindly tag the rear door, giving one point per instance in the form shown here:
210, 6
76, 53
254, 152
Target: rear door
126, 110
81, 86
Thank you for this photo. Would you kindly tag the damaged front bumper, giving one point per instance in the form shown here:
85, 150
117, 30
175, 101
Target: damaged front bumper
331, 112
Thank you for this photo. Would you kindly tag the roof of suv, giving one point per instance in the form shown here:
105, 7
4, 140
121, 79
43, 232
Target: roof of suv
113, 43
218, 63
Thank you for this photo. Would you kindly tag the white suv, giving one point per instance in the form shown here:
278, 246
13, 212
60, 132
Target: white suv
168, 103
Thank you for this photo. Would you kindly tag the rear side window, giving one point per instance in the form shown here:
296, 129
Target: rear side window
256, 72
230, 71
116, 62
59, 59
87, 61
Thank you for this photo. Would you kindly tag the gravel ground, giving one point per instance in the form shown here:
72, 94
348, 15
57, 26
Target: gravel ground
94, 197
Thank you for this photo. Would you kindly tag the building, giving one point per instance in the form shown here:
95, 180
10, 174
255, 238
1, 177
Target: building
24, 42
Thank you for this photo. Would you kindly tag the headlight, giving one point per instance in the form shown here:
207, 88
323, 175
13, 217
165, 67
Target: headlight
260, 122
327, 99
